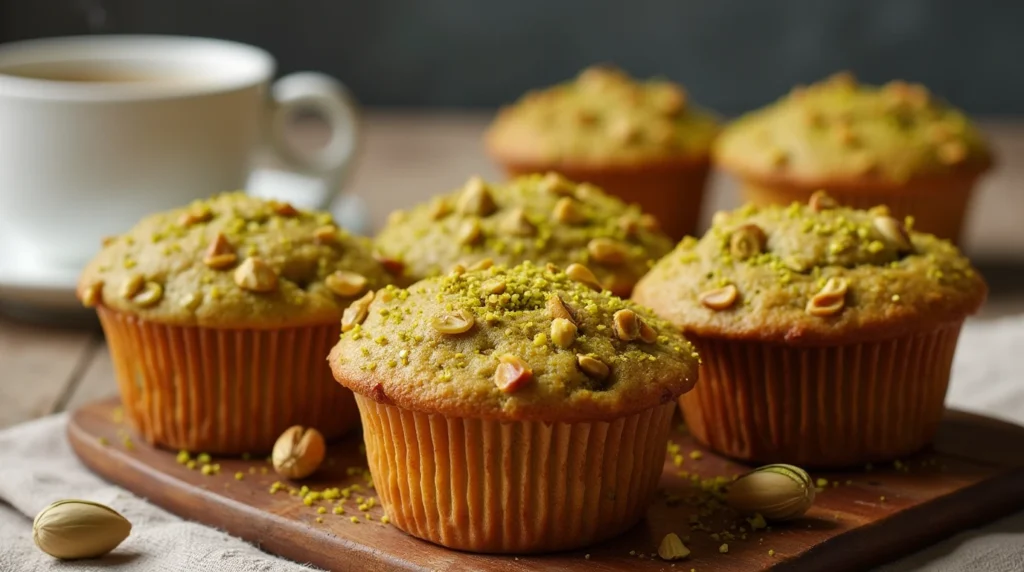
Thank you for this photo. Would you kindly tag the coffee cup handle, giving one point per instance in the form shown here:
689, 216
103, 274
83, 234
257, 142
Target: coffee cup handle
328, 97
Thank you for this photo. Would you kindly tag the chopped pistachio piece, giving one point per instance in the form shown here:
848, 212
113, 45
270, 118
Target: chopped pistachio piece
583, 275
720, 298
557, 309
346, 284
452, 323
356, 312
593, 367
255, 275
607, 251
512, 373
563, 332
626, 324
830, 300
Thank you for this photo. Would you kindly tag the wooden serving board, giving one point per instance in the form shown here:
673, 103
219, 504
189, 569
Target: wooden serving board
860, 518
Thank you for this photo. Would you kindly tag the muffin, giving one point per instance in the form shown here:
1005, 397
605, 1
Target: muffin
896, 145
643, 141
826, 333
540, 218
512, 410
218, 317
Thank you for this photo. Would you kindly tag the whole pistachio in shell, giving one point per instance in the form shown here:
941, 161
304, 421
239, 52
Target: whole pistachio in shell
298, 452
776, 492
72, 529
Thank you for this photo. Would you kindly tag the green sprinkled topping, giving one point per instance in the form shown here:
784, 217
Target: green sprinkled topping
605, 116
540, 218
232, 261
838, 129
459, 342
815, 269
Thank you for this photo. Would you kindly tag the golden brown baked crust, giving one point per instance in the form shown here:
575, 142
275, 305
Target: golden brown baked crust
603, 118
232, 261
840, 133
541, 218
443, 346
813, 275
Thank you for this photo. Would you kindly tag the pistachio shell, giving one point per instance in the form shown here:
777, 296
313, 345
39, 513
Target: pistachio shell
72, 529
672, 548
298, 452
777, 492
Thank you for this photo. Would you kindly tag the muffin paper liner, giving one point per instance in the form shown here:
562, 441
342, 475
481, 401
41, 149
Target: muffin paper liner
513, 487
673, 194
820, 406
227, 391
938, 207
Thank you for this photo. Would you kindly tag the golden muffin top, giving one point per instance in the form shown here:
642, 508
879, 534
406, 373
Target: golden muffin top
602, 118
523, 343
232, 261
839, 130
812, 273
541, 218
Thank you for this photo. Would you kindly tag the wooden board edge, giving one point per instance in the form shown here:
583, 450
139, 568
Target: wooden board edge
854, 550
312, 548
865, 547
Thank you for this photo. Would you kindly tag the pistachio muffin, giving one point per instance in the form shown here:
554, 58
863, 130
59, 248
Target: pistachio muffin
896, 144
512, 410
643, 141
540, 218
826, 333
218, 316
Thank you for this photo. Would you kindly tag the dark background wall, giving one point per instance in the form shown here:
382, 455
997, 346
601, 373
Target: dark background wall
732, 54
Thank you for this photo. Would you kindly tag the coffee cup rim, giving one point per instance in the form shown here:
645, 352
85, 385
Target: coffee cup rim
227, 66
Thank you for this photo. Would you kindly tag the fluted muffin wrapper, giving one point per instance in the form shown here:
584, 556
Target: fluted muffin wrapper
939, 206
227, 391
829, 406
673, 193
513, 487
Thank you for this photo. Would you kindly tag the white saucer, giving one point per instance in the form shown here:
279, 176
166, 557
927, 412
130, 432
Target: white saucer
25, 282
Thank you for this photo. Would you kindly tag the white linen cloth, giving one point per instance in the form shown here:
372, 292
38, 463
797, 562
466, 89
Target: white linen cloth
38, 467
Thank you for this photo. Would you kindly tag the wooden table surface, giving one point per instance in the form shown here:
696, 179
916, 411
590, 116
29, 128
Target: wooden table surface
408, 156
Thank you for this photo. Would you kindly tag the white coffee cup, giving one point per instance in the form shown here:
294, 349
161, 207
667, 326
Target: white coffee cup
97, 131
